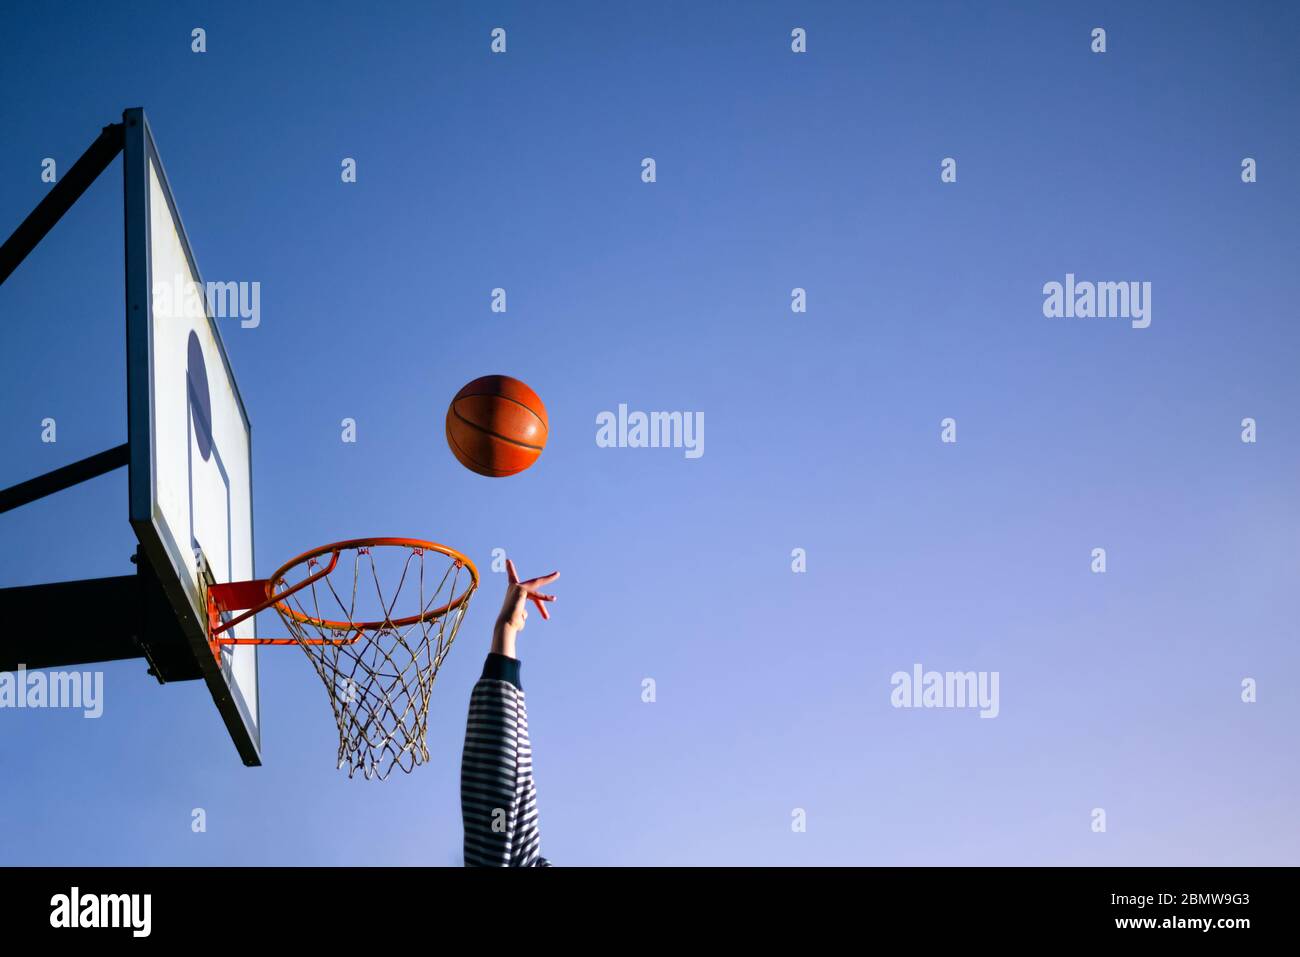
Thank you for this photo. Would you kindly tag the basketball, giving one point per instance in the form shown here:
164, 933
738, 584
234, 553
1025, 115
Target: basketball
496, 426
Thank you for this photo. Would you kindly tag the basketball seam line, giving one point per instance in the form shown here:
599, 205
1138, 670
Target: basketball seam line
503, 398
496, 435
487, 468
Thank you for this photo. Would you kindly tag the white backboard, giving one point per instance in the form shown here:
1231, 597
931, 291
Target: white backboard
191, 445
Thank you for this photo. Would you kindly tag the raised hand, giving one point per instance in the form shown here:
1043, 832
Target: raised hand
514, 610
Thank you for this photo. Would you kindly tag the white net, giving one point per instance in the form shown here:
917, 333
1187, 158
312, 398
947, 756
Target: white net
378, 647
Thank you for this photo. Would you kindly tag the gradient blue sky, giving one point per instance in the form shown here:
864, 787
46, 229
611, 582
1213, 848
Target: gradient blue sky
1118, 691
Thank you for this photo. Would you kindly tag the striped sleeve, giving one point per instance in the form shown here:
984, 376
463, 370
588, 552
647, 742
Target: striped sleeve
498, 798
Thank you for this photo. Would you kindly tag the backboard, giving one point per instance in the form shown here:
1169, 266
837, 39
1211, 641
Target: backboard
190, 442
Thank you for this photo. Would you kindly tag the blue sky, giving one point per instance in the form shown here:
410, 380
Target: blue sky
774, 171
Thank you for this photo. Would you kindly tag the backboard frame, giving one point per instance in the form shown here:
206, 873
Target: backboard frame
171, 561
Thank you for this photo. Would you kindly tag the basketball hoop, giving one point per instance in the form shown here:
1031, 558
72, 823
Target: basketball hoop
377, 657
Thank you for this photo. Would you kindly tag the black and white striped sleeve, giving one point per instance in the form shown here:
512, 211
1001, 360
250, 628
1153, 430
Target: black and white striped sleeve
498, 798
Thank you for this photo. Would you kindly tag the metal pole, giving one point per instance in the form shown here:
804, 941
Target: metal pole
60, 199
66, 477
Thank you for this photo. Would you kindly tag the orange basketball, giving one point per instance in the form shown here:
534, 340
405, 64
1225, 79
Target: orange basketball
496, 426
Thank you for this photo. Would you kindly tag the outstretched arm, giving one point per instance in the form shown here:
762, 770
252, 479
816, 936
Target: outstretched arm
497, 793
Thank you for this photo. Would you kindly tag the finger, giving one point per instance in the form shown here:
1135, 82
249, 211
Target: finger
539, 582
538, 596
510, 570
546, 615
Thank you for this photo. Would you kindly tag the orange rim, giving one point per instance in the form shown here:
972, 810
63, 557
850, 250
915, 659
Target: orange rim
357, 543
